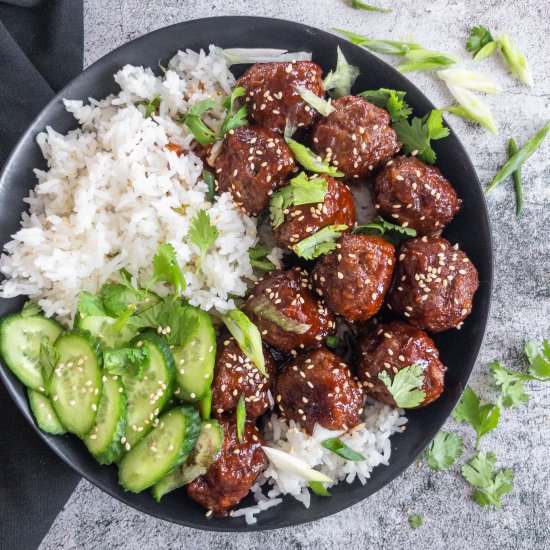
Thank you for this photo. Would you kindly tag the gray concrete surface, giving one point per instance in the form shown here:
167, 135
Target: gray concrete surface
521, 307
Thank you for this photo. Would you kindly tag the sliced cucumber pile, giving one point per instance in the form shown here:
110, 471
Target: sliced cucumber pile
148, 396
44, 414
207, 447
105, 438
195, 357
165, 448
75, 385
21, 338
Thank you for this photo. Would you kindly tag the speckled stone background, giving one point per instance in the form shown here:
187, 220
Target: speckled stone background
521, 303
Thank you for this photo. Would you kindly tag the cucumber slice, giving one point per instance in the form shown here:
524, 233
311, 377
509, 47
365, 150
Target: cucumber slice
105, 440
195, 357
165, 448
209, 444
75, 384
44, 414
103, 328
148, 396
20, 340
205, 405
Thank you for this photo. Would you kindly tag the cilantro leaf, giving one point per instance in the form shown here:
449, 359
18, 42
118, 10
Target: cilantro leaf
338, 447
234, 119
417, 134
115, 299
358, 5
193, 120
241, 417
48, 358
479, 472
511, 384
310, 161
406, 385
89, 305
482, 418
166, 268
30, 309
415, 521
539, 362
338, 83
301, 190
319, 489
321, 242
391, 232
443, 451
127, 360
151, 107
210, 180
391, 100
202, 233
478, 39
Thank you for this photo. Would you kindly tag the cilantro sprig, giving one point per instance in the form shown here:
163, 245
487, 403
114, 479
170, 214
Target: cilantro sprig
321, 242
391, 232
202, 233
415, 521
444, 450
391, 100
406, 385
481, 43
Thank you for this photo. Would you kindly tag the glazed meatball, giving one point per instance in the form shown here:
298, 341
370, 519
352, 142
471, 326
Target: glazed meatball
354, 278
338, 208
229, 478
236, 375
392, 347
356, 138
317, 388
273, 93
415, 195
287, 313
434, 284
252, 164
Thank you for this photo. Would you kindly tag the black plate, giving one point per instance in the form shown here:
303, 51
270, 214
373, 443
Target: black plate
470, 228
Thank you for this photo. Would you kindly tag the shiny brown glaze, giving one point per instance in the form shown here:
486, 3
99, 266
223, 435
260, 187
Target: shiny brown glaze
338, 208
252, 164
391, 347
356, 138
273, 93
236, 375
289, 293
354, 278
409, 193
317, 387
229, 478
434, 284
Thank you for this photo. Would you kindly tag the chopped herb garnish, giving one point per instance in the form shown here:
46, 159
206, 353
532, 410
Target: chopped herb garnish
202, 233
248, 337
122, 361
338, 83
482, 418
406, 385
357, 4
481, 43
166, 268
151, 107
391, 47
415, 521
48, 359
319, 489
88, 305
31, 308
391, 232
258, 257
234, 119
193, 120
479, 472
517, 160
471, 108
301, 190
443, 451
332, 341
515, 59
321, 242
240, 417
516, 175
391, 100
210, 180
310, 161
338, 447
417, 134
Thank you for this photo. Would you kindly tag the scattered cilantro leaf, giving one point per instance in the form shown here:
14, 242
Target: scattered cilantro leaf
48, 358
151, 107
301, 190
391, 100
482, 418
405, 386
511, 384
417, 134
479, 472
517, 160
127, 360
114, 298
319, 489
480, 37
166, 268
443, 451
391, 232
357, 4
30, 309
202, 233
321, 242
89, 305
234, 119
310, 161
338, 83
193, 120
539, 362
338, 447
210, 180
240, 417
415, 521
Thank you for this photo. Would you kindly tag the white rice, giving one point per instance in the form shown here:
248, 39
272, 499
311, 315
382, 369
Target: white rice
108, 197
371, 438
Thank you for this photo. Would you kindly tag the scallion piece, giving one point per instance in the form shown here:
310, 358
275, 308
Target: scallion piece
338, 447
240, 417
516, 174
310, 161
358, 5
